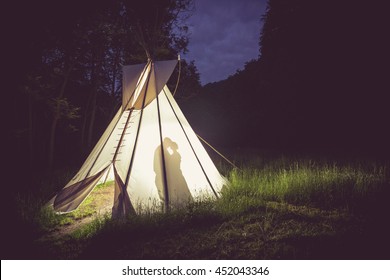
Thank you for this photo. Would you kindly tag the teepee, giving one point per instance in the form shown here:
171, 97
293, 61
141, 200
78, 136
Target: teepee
149, 150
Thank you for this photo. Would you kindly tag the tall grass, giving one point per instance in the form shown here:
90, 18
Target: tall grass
305, 182
31, 208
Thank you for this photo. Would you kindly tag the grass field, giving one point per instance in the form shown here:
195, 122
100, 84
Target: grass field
274, 208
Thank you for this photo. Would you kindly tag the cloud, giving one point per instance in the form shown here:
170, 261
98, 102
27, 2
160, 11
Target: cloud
224, 35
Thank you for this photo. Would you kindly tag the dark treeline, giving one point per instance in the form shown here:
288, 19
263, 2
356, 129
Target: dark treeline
67, 58
319, 83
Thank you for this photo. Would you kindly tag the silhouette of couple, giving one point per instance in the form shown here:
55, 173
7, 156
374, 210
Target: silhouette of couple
178, 191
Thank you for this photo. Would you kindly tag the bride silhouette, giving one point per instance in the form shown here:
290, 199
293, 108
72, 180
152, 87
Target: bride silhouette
178, 191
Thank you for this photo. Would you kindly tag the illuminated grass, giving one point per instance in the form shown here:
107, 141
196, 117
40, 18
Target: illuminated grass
305, 183
33, 210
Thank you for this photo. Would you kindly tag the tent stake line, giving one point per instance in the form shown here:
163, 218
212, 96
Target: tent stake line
215, 150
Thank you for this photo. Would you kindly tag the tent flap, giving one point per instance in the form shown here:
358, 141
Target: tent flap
68, 199
141, 82
122, 205
132, 75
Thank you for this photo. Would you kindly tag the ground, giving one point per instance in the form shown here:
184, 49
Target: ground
99, 204
283, 209
275, 231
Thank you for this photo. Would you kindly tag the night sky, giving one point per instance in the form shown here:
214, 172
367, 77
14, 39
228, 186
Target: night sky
224, 34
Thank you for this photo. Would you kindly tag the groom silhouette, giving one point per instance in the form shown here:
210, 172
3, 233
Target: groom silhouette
178, 191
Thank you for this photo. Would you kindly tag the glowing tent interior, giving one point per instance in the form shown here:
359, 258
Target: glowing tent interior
149, 150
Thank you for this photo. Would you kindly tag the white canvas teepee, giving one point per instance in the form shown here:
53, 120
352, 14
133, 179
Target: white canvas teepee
149, 149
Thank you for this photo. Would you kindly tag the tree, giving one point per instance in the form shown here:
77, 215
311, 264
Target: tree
185, 80
72, 77
320, 63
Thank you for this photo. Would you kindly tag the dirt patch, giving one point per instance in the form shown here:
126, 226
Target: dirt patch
99, 203
103, 199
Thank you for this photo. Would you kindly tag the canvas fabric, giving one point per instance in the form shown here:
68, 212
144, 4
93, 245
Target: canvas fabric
159, 162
